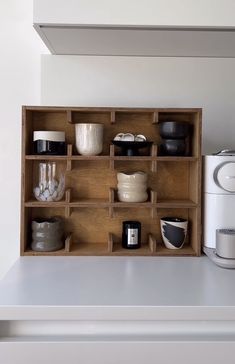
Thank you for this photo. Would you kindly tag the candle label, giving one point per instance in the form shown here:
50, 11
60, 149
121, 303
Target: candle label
132, 236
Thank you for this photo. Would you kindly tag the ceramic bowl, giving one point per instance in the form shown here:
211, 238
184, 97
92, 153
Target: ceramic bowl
173, 147
174, 129
132, 187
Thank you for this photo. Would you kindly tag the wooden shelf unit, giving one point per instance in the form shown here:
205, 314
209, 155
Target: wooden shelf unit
91, 211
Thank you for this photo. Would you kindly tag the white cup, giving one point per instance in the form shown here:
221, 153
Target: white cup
174, 231
89, 138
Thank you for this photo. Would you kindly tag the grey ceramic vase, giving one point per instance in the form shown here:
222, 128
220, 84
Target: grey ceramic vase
47, 234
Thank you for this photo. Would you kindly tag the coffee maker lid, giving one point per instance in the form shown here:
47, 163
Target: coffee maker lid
225, 152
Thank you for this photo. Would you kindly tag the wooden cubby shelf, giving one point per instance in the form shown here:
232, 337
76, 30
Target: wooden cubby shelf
90, 208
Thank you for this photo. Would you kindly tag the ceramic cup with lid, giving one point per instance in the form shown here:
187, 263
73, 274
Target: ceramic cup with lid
89, 138
49, 142
132, 187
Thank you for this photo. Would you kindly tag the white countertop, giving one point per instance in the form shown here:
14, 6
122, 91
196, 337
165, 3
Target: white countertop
117, 287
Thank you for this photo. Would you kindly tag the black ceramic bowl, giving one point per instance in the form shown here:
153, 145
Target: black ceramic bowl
173, 147
49, 147
131, 148
174, 129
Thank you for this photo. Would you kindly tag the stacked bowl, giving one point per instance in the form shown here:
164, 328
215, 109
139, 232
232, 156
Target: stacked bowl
174, 134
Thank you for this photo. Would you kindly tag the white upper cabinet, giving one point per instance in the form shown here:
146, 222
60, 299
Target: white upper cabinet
204, 28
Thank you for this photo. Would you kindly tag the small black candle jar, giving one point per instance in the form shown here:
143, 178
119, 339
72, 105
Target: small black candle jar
131, 234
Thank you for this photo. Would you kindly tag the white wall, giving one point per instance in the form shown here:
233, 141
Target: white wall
19, 84
148, 82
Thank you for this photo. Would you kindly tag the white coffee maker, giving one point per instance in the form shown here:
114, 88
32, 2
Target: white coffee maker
219, 208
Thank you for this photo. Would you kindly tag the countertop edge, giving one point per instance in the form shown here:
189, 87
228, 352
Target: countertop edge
114, 313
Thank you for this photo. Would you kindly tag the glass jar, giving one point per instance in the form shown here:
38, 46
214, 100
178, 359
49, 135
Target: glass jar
49, 182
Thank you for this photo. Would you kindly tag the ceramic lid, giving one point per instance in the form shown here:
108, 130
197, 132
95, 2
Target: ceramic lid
53, 136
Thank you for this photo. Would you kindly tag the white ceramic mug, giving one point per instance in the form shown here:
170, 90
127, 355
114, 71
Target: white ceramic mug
89, 138
174, 231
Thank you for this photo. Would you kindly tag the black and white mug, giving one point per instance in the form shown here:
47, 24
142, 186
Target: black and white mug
174, 231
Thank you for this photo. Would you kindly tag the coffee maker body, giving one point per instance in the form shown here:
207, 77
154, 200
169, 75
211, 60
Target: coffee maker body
218, 202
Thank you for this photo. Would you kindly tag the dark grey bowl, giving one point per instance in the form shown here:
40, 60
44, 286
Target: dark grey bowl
173, 147
174, 129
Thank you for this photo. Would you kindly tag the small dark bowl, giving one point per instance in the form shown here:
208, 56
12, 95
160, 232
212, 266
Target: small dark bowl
131, 148
174, 129
48, 147
173, 147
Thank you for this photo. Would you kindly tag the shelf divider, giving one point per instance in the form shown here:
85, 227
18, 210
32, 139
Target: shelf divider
110, 242
69, 155
111, 201
155, 117
113, 117
152, 243
111, 153
68, 243
69, 116
67, 200
154, 161
153, 199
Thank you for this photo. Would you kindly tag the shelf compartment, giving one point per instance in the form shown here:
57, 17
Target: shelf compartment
44, 119
90, 182
43, 212
89, 115
150, 204
115, 246
182, 252
192, 246
192, 117
86, 249
177, 181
